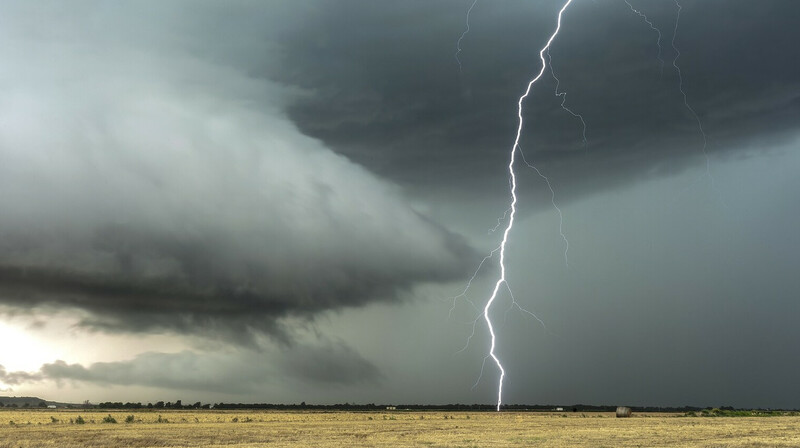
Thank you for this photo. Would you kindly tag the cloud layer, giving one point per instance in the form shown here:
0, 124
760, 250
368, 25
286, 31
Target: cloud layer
161, 191
330, 364
397, 103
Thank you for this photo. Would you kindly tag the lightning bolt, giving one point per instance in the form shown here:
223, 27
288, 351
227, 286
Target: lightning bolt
553, 201
499, 222
680, 82
511, 211
466, 289
686, 99
458, 43
513, 191
563, 96
654, 28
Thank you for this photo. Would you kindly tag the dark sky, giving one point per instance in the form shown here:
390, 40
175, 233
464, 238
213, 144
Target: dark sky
287, 195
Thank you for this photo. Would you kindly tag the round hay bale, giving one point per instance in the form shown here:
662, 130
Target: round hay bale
623, 411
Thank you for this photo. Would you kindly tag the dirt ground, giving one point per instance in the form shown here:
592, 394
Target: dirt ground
57, 428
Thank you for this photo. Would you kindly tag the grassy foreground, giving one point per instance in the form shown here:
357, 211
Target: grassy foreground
52, 428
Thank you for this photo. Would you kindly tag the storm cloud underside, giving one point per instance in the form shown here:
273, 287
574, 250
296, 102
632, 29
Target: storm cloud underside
160, 191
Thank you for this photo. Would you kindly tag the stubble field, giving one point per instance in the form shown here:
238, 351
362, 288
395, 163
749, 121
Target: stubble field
57, 428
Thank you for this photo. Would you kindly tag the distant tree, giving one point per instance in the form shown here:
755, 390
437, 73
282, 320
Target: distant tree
42, 404
178, 404
197, 405
160, 404
149, 405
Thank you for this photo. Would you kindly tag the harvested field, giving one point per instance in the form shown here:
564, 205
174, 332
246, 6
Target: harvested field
52, 428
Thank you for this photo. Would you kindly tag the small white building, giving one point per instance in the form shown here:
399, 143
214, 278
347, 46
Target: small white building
51, 406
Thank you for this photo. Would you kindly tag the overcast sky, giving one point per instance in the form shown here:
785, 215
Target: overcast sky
283, 201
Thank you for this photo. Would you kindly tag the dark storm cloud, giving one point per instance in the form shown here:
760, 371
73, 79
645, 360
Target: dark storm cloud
148, 179
384, 88
241, 372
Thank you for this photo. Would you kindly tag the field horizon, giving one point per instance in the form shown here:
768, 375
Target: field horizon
259, 428
32, 402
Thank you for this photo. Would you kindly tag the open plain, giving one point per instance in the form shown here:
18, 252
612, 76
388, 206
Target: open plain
58, 428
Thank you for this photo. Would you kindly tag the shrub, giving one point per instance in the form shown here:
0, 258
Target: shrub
130, 419
161, 419
109, 419
53, 419
79, 420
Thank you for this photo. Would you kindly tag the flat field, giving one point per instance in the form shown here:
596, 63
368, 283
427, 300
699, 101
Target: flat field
57, 428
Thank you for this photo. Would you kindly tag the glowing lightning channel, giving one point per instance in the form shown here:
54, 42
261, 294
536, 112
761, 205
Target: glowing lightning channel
654, 28
502, 279
458, 43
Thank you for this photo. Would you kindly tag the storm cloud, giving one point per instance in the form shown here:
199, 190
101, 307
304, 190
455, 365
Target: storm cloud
397, 103
165, 191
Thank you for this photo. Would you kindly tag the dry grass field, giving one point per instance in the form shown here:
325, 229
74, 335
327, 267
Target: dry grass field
52, 428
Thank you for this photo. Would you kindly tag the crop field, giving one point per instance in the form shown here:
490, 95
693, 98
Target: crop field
60, 428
